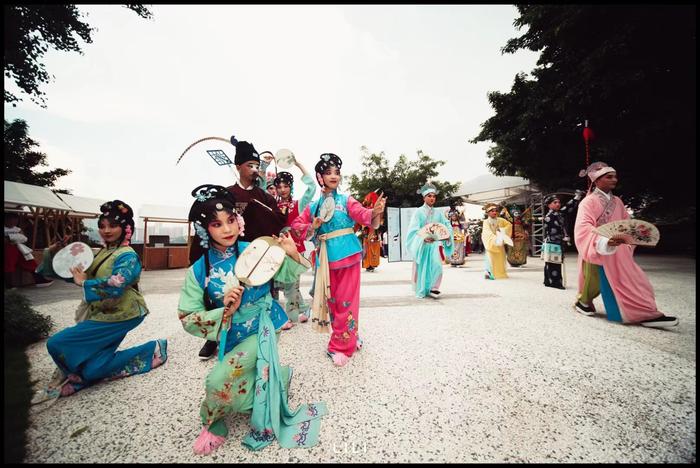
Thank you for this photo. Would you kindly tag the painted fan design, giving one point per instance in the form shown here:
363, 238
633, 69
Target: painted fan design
72, 255
259, 261
435, 230
327, 209
285, 158
635, 231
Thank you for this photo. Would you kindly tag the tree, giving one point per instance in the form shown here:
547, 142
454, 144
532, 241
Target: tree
400, 183
29, 32
631, 72
21, 159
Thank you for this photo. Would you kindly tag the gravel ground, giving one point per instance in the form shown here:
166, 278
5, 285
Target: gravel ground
493, 371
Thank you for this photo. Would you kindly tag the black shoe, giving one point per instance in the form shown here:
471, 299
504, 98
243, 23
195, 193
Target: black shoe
208, 350
584, 309
41, 281
434, 291
661, 322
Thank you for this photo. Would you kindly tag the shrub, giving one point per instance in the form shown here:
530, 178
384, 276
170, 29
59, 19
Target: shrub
24, 325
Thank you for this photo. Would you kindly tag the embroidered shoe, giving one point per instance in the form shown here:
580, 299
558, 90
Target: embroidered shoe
664, 321
584, 309
162, 353
359, 344
207, 442
288, 325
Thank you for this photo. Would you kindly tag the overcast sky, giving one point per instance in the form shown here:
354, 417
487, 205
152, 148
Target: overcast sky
310, 78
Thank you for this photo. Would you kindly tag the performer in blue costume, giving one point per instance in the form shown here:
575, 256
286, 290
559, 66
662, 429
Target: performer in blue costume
427, 266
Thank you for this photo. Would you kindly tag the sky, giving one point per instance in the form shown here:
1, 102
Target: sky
314, 79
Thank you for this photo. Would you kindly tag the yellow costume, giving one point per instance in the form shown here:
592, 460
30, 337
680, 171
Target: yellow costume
495, 258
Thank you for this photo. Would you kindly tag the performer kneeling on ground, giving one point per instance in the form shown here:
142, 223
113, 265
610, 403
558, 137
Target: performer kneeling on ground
87, 352
248, 375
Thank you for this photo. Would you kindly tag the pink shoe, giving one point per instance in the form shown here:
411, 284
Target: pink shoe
67, 390
339, 359
207, 442
288, 325
303, 318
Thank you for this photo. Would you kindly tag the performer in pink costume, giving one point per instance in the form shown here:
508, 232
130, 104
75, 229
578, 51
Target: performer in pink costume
606, 266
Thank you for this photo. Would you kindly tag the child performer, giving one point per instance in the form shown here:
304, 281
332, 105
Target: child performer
248, 375
337, 283
295, 306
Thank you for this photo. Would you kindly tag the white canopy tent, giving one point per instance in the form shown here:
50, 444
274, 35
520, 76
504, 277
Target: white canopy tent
19, 196
35, 202
82, 206
490, 188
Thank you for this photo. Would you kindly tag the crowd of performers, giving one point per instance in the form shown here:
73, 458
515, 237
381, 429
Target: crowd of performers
241, 325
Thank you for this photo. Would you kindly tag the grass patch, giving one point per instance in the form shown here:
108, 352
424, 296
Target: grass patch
18, 395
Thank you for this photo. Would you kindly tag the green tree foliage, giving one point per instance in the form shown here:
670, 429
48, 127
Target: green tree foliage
30, 30
629, 70
21, 159
401, 182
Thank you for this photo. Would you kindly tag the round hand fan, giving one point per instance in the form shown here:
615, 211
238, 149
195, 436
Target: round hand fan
327, 209
70, 256
634, 231
285, 158
259, 261
435, 230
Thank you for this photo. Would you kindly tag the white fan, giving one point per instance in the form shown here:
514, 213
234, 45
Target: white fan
435, 230
72, 255
634, 231
259, 261
327, 209
285, 158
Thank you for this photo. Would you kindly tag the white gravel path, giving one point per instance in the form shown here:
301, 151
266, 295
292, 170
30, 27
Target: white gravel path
493, 371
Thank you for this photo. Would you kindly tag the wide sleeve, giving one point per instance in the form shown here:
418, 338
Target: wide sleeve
302, 223
506, 227
415, 243
585, 238
125, 271
195, 319
359, 213
290, 270
309, 192
488, 238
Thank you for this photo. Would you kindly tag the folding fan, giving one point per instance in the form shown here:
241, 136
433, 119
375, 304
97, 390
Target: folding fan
634, 231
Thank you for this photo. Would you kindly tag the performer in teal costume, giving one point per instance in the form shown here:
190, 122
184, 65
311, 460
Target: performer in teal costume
427, 266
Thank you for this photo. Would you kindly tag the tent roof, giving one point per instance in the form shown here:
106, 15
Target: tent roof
82, 206
491, 188
164, 213
18, 195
